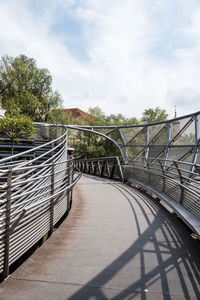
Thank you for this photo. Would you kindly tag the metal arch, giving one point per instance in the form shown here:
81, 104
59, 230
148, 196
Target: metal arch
100, 134
148, 144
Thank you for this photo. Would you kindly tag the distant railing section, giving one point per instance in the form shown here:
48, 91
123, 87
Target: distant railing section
108, 167
34, 195
177, 179
175, 182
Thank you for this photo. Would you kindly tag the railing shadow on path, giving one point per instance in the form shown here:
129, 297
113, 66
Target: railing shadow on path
167, 247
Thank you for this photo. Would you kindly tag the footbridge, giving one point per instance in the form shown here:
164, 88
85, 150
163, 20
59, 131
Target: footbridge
134, 227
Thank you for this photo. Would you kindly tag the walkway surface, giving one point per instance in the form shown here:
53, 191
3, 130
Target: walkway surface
117, 243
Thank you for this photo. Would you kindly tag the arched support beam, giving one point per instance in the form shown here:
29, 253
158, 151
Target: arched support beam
100, 134
89, 129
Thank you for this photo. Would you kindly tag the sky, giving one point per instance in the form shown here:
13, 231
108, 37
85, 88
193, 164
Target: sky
124, 56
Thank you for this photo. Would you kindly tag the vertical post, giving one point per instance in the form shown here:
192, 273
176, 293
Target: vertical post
66, 141
121, 175
92, 167
56, 131
68, 183
113, 169
108, 170
63, 130
7, 225
72, 179
181, 182
163, 177
99, 167
102, 169
149, 174
52, 191
192, 167
89, 167
167, 144
84, 166
146, 147
124, 145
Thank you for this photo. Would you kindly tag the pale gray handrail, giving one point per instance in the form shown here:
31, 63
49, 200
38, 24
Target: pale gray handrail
34, 196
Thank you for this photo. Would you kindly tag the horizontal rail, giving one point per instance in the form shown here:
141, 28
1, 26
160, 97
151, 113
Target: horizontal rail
104, 167
34, 195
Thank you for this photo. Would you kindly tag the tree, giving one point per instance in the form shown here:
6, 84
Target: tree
58, 116
132, 121
91, 145
26, 89
119, 119
154, 115
116, 120
16, 127
97, 116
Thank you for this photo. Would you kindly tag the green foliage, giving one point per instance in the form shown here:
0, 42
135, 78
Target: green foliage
15, 128
154, 115
93, 146
119, 119
132, 121
98, 118
58, 116
26, 89
89, 145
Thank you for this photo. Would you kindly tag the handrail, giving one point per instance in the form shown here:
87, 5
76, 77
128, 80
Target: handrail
34, 195
30, 150
177, 138
104, 166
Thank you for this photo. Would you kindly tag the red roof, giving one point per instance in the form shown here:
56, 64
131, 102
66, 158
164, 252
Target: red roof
76, 113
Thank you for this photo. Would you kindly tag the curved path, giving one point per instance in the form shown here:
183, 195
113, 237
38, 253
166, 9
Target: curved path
117, 243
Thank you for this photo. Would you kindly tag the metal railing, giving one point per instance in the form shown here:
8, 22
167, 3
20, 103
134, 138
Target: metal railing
175, 139
175, 182
109, 167
34, 195
163, 158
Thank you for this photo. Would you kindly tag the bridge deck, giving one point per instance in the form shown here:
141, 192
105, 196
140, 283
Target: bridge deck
117, 243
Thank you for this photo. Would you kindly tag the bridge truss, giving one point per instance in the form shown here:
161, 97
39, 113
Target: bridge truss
36, 184
176, 139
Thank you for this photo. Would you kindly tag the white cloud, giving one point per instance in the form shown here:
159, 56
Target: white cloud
121, 73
